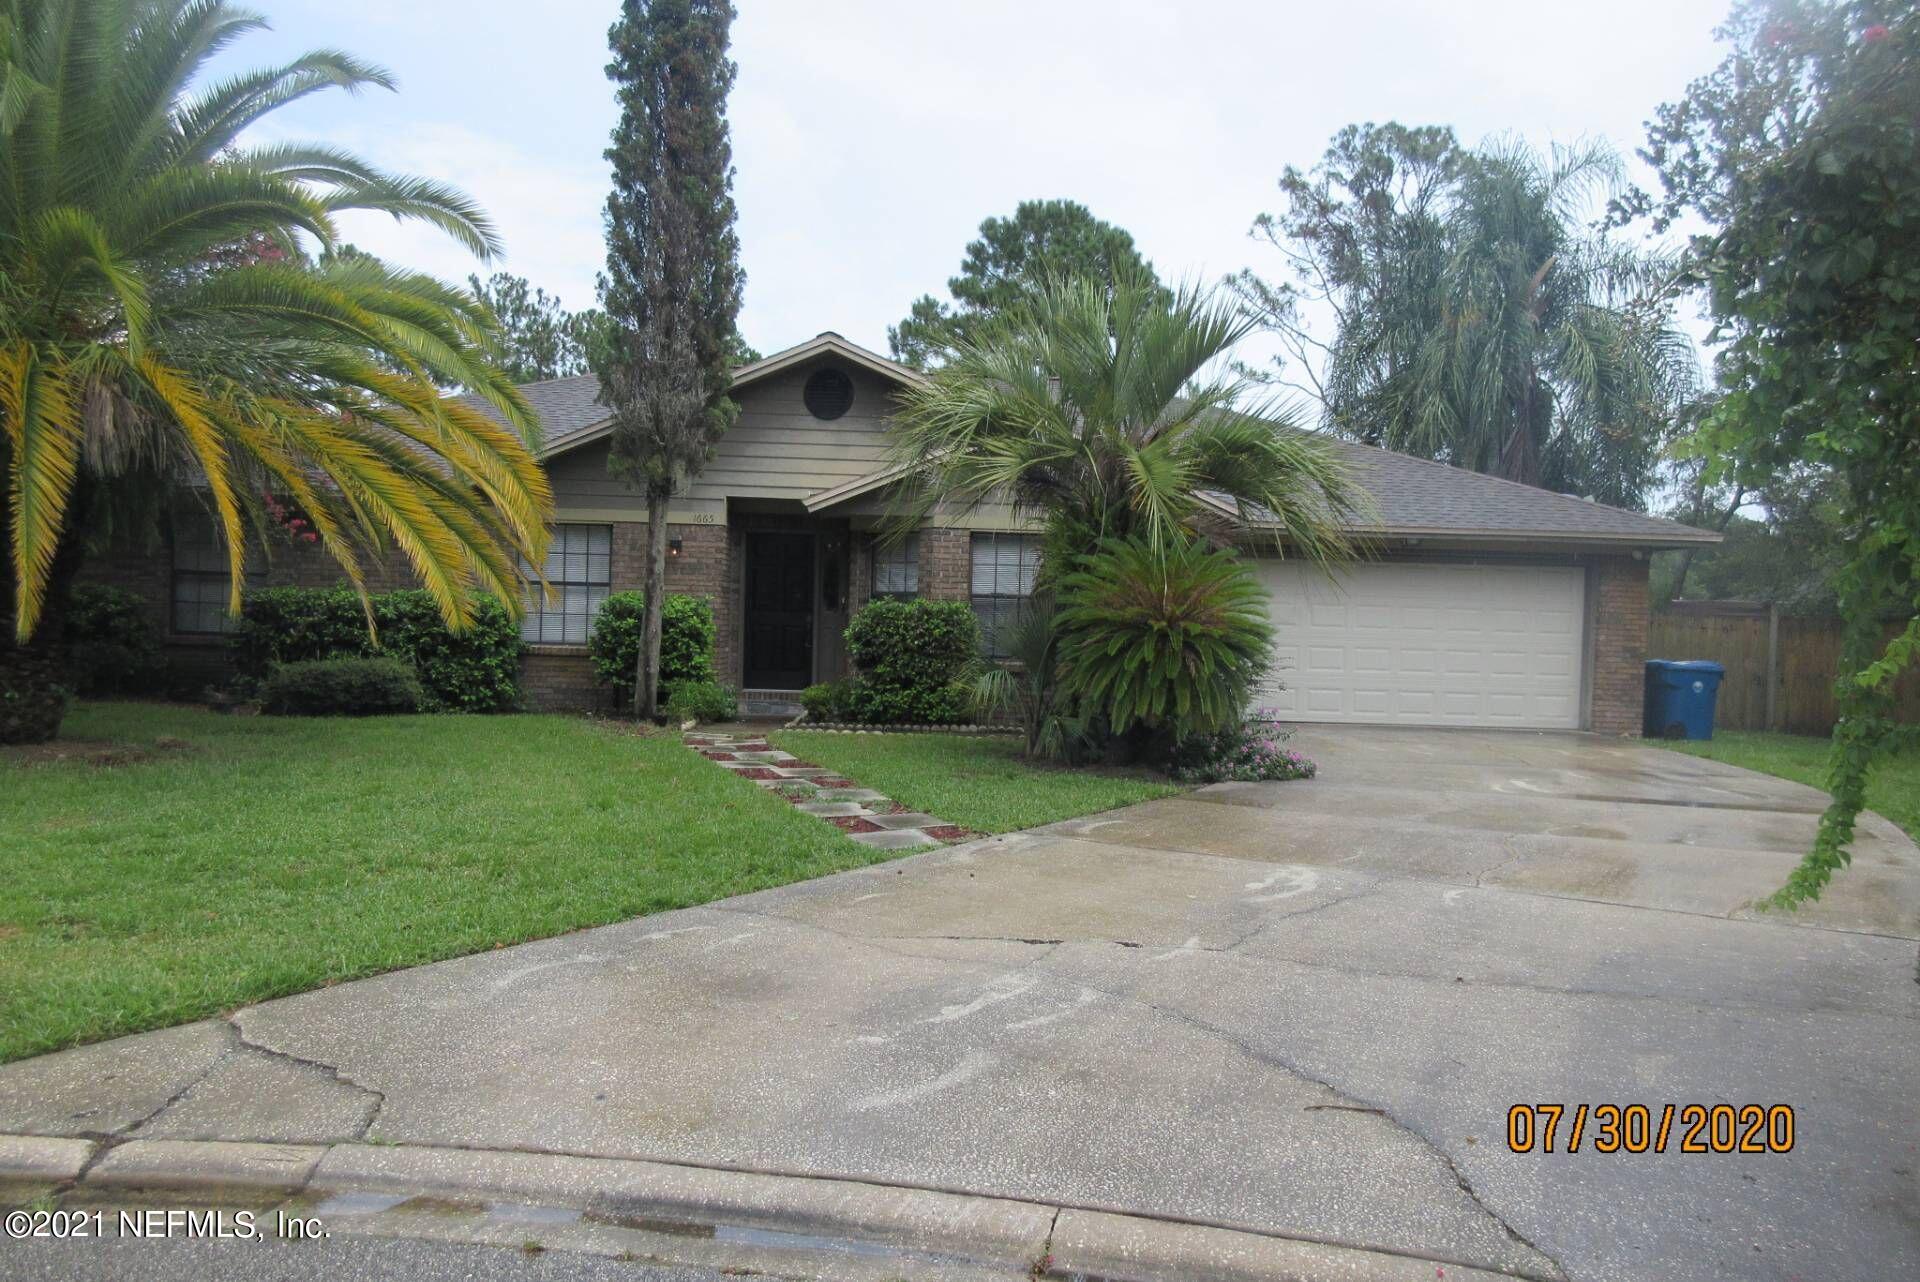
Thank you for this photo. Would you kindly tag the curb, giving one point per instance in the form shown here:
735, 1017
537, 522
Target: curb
816, 1215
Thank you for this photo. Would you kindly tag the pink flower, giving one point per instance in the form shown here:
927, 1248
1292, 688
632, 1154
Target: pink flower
310, 537
1877, 31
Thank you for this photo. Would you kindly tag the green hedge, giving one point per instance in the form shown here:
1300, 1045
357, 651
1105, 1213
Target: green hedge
908, 659
475, 671
686, 642
348, 687
707, 701
111, 645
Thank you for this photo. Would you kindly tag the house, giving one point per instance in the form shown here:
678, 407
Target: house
1488, 603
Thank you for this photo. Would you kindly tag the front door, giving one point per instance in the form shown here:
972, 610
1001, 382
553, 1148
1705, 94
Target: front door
779, 614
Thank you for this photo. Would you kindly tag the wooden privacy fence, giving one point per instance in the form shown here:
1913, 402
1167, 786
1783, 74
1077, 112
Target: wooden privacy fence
1752, 640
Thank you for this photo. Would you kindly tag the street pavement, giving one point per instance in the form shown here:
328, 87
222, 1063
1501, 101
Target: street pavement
1262, 1018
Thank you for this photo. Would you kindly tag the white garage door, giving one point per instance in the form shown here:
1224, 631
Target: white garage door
1427, 644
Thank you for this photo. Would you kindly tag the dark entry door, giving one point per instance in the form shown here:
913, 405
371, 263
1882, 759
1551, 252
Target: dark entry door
779, 614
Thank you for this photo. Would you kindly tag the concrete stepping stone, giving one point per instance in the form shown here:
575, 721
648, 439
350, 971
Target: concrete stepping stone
893, 839
911, 819
861, 813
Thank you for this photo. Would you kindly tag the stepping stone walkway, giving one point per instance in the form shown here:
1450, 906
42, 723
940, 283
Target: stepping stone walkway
869, 817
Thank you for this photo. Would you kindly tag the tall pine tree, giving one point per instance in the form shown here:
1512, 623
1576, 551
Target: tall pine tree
673, 280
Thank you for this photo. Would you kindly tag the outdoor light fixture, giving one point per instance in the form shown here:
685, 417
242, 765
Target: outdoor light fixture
673, 547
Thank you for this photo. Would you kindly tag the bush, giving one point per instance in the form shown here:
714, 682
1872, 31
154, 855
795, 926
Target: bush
296, 625
910, 658
111, 644
1169, 639
686, 641
702, 701
33, 701
474, 671
341, 688
826, 701
1246, 753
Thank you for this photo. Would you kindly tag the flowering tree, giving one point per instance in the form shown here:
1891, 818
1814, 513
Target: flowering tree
1803, 151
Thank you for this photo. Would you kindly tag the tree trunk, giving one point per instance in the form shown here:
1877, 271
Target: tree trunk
646, 677
33, 698
1686, 554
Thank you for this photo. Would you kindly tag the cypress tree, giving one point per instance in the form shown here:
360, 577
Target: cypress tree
673, 281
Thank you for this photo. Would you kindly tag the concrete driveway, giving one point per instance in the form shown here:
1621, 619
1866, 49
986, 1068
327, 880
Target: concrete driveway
1301, 1010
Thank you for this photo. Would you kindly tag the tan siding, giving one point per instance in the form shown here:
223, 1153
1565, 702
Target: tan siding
778, 450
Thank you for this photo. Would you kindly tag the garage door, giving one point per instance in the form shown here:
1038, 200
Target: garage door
1427, 644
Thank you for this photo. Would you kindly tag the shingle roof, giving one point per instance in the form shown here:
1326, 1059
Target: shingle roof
566, 407
1414, 496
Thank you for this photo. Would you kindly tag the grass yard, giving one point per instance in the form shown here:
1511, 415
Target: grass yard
976, 781
1893, 790
241, 858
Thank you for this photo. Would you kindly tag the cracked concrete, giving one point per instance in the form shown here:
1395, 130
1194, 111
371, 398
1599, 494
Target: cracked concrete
1300, 1009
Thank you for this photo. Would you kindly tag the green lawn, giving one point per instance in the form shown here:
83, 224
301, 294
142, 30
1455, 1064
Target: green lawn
264, 856
1893, 790
976, 781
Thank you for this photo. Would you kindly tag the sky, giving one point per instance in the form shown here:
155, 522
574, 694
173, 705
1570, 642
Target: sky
871, 138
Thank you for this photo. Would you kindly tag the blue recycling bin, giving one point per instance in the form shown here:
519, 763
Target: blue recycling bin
1680, 698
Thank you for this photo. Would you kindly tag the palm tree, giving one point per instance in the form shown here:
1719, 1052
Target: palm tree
158, 319
1521, 347
1107, 410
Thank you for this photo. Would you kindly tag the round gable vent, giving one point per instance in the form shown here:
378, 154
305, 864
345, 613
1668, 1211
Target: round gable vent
829, 393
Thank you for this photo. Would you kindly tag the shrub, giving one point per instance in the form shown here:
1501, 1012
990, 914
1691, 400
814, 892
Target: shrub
474, 671
826, 701
686, 641
295, 625
702, 701
342, 688
1246, 753
911, 657
1169, 638
32, 699
111, 644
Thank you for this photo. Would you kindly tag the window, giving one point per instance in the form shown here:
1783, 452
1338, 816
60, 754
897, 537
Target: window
828, 393
896, 569
1004, 568
200, 578
580, 570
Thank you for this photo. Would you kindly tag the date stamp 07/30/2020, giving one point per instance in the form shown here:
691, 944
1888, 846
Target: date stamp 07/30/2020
1657, 1128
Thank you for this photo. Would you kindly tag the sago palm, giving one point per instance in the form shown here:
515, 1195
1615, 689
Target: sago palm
159, 317
1106, 410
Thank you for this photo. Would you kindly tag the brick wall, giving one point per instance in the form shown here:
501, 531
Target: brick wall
1617, 601
709, 566
559, 678
946, 564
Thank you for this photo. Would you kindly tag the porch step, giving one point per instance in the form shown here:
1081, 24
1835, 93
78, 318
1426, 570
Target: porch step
769, 705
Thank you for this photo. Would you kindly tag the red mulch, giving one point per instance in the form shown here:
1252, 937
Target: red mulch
797, 764
853, 823
759, 772
895, 808
948, 832
836, 782
719, 756
753, 747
